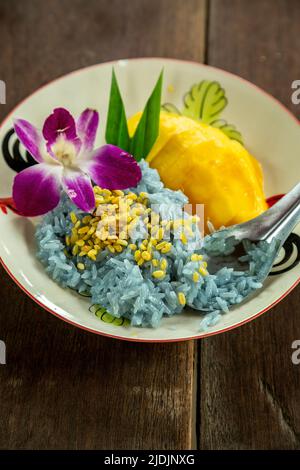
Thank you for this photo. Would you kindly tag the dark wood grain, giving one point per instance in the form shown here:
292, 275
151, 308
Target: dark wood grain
249, 386
62, 387
48, 39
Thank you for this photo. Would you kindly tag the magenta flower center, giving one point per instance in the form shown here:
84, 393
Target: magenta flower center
64, 151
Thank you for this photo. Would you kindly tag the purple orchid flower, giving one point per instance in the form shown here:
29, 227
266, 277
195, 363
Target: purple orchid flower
66, 159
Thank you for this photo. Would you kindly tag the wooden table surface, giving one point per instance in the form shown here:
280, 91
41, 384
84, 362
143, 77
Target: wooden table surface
63, 388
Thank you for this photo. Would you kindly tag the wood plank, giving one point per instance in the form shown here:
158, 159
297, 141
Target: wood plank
62, 387
249, 386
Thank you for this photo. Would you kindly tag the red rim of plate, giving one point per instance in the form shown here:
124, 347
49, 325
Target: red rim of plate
205, 335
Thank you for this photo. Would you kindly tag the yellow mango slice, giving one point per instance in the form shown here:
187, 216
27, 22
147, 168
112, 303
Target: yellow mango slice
208, 167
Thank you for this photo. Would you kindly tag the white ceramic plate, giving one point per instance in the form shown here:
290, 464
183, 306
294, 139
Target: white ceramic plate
269, 131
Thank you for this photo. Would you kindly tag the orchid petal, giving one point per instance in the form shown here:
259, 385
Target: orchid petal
87, 126
30, 137
112, 168
60, 124
79, 188
36, 190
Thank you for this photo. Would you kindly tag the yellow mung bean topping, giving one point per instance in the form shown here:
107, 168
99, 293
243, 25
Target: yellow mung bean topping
181, 298
158, 274
115, 219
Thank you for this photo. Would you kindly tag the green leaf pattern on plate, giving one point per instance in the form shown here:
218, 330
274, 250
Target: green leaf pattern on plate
229, 129
103, 314
205, 102
170, 108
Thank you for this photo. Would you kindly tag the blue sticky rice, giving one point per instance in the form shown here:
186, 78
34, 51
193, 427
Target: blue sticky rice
127, 290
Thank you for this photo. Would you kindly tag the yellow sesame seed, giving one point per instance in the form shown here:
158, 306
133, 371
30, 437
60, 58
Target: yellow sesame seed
118, 192
146, 255
99, 200
132, 246
143, 195
83, 229
122, 242
136, 211
140, 262
118, 248
115, 200
80, 242
183, 238
166, 248
74, 238
204, 264
82, 253
194, 257
67, 240
111, 248
195, 276
202, 271
181, 298
75, 250
81, 266
137, 255
132, 196
164, 264
160, 233
155, 262
160, 245
86, 219
143, 247
158, 274
78, 223
73, 218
